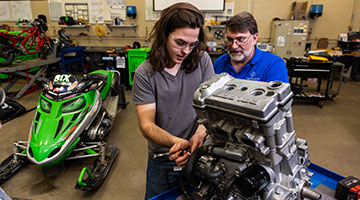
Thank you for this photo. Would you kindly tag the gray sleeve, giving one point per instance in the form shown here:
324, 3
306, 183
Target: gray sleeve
143, 91
206, 67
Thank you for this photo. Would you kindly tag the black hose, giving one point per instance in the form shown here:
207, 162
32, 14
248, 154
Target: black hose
189, 168
211, 150
210, 174
230, 155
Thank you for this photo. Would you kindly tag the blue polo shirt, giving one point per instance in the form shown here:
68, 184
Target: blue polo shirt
264, 66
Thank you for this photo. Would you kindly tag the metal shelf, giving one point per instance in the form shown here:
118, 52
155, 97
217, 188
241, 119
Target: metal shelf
75, 26
215, 27
133, 26
25, 26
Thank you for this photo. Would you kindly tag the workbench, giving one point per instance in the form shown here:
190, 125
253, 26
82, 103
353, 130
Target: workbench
352, 65
21, 70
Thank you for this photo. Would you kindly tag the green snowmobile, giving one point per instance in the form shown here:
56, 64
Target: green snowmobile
72, 118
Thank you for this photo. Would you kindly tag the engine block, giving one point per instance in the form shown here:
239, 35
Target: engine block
251, 151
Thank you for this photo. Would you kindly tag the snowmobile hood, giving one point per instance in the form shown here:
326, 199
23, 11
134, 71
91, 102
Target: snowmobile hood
57, 125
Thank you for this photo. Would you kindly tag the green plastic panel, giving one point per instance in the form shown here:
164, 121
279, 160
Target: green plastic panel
135, 58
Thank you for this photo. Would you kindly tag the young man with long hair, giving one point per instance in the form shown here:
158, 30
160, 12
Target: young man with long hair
163, 89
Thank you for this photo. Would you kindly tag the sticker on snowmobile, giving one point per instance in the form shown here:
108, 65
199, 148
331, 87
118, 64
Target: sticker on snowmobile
50, 85
58, 93
59, 89
72, 86
62, 78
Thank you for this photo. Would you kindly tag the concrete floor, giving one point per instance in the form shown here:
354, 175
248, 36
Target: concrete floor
333, 134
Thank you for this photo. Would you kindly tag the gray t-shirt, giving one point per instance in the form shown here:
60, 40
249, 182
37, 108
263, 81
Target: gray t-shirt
173, 96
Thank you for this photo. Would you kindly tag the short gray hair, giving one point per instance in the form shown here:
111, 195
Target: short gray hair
242, 22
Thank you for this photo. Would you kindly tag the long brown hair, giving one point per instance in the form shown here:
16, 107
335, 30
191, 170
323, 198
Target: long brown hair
178, 15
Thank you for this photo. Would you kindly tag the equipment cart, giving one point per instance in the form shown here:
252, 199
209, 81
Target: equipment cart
301, 72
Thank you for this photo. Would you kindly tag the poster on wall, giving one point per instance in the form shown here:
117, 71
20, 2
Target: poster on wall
117, 11
5, 11
150, 14
15, 10
54, 10
114, 9
96, 11
21, 10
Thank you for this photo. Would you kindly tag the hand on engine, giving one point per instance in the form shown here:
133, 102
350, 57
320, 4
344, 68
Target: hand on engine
179, 152
198, 138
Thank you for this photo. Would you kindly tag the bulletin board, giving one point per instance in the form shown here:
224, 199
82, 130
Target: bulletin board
203, 5
73, 8
77, 10
96, 10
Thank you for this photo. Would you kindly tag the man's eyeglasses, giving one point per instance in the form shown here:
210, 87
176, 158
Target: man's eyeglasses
238, 41
181, 44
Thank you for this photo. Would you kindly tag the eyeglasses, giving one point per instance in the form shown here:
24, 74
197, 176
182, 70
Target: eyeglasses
181, 44
238, 41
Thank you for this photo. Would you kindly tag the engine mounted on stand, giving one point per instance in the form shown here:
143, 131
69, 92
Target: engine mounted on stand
251, 151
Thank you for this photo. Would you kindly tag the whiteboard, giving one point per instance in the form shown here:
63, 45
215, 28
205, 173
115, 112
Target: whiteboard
203, 5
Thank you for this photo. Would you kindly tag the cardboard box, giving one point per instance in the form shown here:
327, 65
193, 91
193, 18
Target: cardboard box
298, 11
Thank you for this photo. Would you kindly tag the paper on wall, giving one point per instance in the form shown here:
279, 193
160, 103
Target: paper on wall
21, 10
120, 62
280, 41
118, 11
96, 11
55, 10
115, 2
229, 11
150, 14
4, 11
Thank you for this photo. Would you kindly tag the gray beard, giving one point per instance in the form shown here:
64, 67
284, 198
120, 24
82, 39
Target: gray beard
242, 57
238, 58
